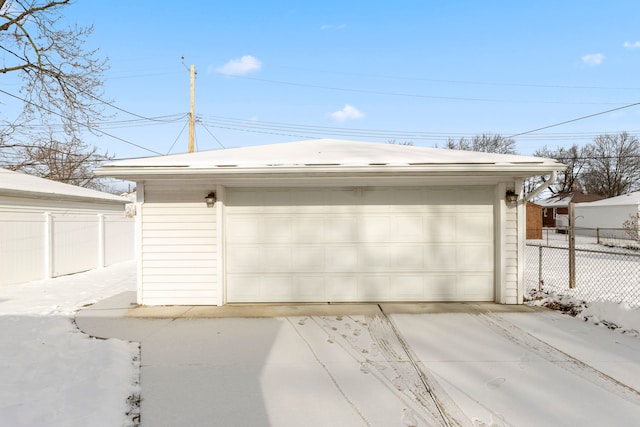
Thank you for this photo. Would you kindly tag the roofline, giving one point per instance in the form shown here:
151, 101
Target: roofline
159, 172
58, 196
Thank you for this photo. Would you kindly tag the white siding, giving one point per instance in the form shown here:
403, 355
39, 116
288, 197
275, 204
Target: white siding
22, 247
179, 249
75, 243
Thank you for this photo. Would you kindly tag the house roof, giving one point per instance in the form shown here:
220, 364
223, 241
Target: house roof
562, 200
22, 185
329, 155
624, 200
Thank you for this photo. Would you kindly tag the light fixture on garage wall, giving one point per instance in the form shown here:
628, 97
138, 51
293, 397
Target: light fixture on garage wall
511, 196
210, 199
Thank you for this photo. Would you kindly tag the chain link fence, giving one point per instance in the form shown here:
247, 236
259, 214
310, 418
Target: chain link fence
600, 275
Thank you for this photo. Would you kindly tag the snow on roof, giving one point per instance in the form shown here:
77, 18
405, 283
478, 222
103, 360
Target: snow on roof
15, 183
331, 153
625, 199
560, 200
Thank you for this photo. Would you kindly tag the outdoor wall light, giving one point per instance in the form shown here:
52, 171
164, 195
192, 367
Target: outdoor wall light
210, 199
511, 196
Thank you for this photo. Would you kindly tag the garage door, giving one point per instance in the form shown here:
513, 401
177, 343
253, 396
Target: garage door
359, 244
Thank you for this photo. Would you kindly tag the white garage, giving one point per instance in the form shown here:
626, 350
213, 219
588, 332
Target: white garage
330, 221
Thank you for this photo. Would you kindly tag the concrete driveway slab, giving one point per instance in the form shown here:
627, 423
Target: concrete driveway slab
374, 365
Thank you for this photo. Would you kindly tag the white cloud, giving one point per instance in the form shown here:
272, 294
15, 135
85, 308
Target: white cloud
333, 27
593, 59
632, 45
349, 112
240, 66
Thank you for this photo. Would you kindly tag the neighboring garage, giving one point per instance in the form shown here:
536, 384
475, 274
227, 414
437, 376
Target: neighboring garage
331, 221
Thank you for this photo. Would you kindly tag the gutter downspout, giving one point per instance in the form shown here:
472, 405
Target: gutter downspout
547, 184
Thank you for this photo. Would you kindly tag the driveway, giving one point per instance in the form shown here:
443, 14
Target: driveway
377, 365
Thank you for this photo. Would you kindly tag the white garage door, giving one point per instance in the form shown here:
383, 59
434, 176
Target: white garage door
359, 244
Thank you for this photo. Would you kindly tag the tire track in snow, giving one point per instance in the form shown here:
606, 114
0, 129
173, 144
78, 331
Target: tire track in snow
558, 357
393, 372
426, 389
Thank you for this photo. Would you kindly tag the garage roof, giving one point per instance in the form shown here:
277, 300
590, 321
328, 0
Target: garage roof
623, 200
23, 185
328, 155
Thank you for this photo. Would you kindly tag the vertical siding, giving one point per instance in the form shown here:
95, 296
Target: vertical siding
22, 247
119, 232
179, 247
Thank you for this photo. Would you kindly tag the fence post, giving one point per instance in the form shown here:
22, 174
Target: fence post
48, 245
540, 268
572, 246
101, 241
598, 235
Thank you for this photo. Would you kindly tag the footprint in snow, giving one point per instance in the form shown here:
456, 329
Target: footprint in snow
364, 368
495, 383
339, 318
302, 321
356, 332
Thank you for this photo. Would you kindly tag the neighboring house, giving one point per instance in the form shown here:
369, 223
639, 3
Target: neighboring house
330, 221
49, 229
608, 213
534, 221
555, 209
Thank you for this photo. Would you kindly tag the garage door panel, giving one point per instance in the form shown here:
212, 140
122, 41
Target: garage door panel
342, 258
276, 259
310, 229
242, 259
309, 288
359, 243
441, 257
408, 228
373, 288
407, 257
309, 259
276, 229
441, 228
374, 229
476, 287
373, 258
475, 257
442, 287
340, 229
241, 229
407, 288
473, 228
342, 288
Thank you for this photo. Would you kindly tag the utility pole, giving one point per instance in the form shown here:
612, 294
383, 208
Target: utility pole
192, 119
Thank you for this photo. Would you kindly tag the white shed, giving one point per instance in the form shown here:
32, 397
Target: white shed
330, 221
608, 213
49, 229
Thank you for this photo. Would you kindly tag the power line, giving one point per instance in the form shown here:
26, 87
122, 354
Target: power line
575, 120
79, 123
412, 95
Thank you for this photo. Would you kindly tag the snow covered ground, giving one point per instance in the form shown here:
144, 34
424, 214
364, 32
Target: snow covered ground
51, 373
466, 364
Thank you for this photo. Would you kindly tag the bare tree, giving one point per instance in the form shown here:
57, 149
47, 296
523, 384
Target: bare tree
487, 142
61, 80
69, 161
575, 159
613, 165
61, 86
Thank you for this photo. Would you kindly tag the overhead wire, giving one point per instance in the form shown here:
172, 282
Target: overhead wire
79, 123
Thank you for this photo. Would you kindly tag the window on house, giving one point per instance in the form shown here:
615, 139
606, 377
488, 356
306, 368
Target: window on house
544, 212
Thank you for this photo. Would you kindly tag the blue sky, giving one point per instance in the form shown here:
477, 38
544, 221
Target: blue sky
277, 71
